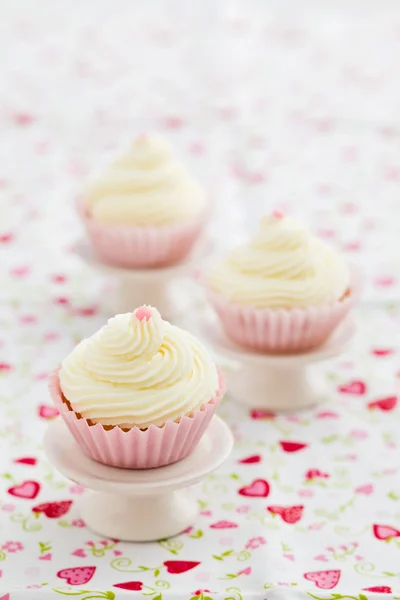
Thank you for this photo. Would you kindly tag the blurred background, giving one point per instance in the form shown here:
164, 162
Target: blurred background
270, 105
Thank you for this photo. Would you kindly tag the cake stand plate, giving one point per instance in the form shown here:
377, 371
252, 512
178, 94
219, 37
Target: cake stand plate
138, 505
273, 382
157, 287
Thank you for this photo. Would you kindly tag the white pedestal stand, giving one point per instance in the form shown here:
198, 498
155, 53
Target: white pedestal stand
138, 505
157, 287
272, 382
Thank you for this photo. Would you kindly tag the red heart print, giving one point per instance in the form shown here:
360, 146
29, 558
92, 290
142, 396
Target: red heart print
259, 488
6, 597
28, 490
250, 460
77, 575
358, 388
325, 580
380, 589
53, 510
385, 532
385, 404
26, 460
47, 412
292, 446
314, 473
262, 414
132, 586
289, 514
224, 525
179, 566
382, 351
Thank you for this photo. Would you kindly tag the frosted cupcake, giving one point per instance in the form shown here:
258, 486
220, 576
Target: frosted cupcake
283, 291
139, 393
145, 211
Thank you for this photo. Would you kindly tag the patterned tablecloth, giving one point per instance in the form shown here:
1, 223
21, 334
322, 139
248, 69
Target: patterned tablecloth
272, 107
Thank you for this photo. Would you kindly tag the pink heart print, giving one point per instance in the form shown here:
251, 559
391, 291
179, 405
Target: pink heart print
79, 552
385, 404
385, 532
366, 489
259, 488
358, 388
47, 412
28, 490
224, 525
77, 575
325, 580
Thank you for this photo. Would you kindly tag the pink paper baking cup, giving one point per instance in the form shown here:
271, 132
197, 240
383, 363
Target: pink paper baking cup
143, 247
136, 448
280, 331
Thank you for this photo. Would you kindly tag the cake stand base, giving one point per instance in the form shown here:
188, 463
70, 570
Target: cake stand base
157, 287
273, 382
138, 505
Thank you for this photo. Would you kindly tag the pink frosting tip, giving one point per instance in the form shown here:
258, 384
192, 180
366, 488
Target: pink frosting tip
142, 137
278, 214
143, 312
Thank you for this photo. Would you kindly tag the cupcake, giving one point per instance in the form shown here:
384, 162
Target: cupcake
145, 211
283, 291
139, 393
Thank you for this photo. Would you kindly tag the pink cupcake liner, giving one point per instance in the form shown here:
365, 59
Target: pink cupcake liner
136, 448
281, 331
142, 247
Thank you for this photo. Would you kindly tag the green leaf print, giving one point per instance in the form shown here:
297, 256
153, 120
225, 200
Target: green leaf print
44, 547
330, 439
93, 595
393, 496
196, 534
237, 593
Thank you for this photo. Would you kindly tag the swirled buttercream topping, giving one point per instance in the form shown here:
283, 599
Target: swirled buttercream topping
138, 370
146, 187
282, 266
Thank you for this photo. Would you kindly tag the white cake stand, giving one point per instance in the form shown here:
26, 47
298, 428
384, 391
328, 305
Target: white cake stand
157, 287
272, 382
138, 505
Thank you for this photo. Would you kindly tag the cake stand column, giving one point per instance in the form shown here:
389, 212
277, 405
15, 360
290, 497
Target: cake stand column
140, 518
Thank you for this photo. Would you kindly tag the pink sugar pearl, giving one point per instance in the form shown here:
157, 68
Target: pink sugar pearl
143, 312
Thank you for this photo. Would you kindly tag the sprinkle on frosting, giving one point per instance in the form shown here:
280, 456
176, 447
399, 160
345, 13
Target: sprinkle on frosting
137, 372
145, 186
143, 312
282, 266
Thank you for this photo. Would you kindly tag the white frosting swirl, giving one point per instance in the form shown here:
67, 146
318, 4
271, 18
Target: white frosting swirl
138, 370
145, 187
282, 266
